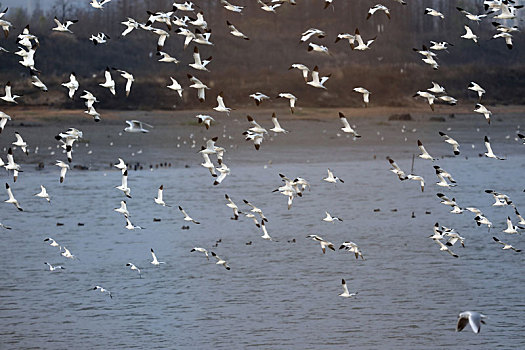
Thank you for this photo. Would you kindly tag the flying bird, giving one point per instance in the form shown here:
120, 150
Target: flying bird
12, 199
187, 217
475, 319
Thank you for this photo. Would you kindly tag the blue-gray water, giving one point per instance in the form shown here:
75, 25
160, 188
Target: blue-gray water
277, 295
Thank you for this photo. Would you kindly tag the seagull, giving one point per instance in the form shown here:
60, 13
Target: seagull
366, 94
475, 319
417, 178
199, 64
175, 86
3, 120
432, 12
54, 268
133, 267
475, 18
234, 207
8, 97
11, 198
99, 5
64, 27
221, 107
361, 46
330, 218
201, 88
483, 110
511, 229
259, 97
505, 245
129, 79
451, 141
124, 186
469, 35
122, 209
38, 83
43, 194
109, 83
187, 217
63, 169
331, 178
376, 8
276, 126
346, 293
136, 126
20, 143
291, 98
205, 119
166, 57
424, 154
445, 248
100, 38
318, 48
220, 261
353, 248
475, 87
235, 32
324, 244
202, 250
72, 85
430, 97
155, 261
53, 242
159, 199
396, 169
67, 254
489, 153
315, 79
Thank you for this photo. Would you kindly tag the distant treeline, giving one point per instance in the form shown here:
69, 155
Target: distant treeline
391, 70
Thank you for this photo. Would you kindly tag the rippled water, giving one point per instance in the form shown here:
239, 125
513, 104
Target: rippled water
277, 295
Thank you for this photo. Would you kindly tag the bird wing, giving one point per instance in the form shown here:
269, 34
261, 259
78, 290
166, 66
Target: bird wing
345, 287
462, 322
487, 145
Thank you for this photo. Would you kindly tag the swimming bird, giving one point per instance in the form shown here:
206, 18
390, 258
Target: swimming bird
38, 83
445, 248
20, 143
175, 86
12, 199
330, 218
220, 261
136, 126
396, 169
505, 245
8, 97
469, 35
187, 217
99, 4
54, 268
353, 248
63, 169
202, 250
366, 94
123, 209
475, 319
316, 82
346, 293
451, 141
72, 85
483, 110
134, 268
475, 87
489, 153
331, 178
431, 12
109, 83
200, 86
324, 243
64, 27
424, 154
276, 126
236, 32
199, 64
259, 97
155, 261
291, 98
43, 194
205, 119
417, 178
124, 185
361, 46
159, 199
234, 207
3, 120
376, 8
221, 106
129, 79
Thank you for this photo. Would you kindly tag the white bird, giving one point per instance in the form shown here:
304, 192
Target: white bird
220, 261
3, 120
67, 254
475, 319
305, 36
267, 7
417, 178
90, 98
347, 36
103, 290
318, 48
200, 86
159, 199
236, 32
93, 112
12, 199
129, 79
472, 17
511, 229
205, 119
64, 27
8, 97
99, 4
442, 182
155, 261
38, 83
72, 85
291, 98
489, 153
304, 69
109, 83
175, 86
265, 232
202, 250
121, 165
331, 178
439, 46
396, 169
451, 141
276, 126
505, 245
353, 248
167, 58
123, 209
424, 154
136, 126
256, 128
133, 267
200, 64
324, 244
130, 24
453, 238
233, 206
327, 3
20, 143
43, 194
100, 38
507, 37
361, 46
376, 8
316, 81
129, 224
346, 293
483, 110
521, 218
53, 242
208, 164
199, 22
54, 268
124, 186
259, 97
63, 169
475, 87
186, 6
366, 94
187, 217
469, 35
224, 171
330, 218
444, 173
482, 220
436, 89
221, 106
430, 97
234, 8
256, 210
432, 12
445, 248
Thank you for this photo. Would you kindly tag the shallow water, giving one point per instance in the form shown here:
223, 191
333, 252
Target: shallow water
277, 295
